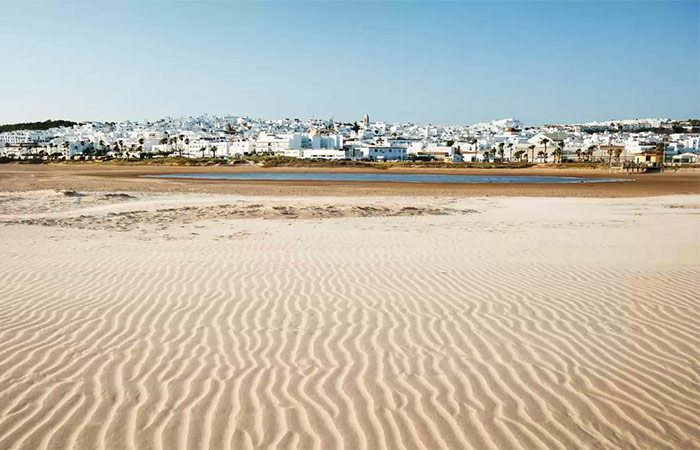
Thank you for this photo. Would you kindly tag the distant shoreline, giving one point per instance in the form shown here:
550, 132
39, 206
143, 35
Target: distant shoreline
113, 177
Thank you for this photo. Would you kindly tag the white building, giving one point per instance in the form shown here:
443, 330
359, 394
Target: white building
325, 153
16, 137
686, 158
382, 153
281, 144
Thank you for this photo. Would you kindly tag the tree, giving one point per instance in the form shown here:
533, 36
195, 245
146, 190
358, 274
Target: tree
545, 141
618, 153
540, 154
500, 150
589, 152
474, 142
559, 151
532, 149
510, 150
355, 127
519, 155
557, 154
578, 154
202, 149
174, 145
213, 151
47, 124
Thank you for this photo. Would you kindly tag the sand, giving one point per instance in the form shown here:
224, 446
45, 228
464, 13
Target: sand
194, 321
109, 177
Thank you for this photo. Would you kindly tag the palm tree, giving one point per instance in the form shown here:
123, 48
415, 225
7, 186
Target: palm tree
213, 151
618, 153
532, 149
519, 155
500, 151
589, 152
510, 150
540, 154
559, 151
202, 149
578, 154
173, 144
544, 141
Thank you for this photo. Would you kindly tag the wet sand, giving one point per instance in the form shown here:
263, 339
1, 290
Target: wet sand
96, 177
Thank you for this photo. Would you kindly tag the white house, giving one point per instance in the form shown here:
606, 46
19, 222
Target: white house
279, 144
686, 158
382, 153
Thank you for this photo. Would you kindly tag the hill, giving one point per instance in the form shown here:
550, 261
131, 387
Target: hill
45, 125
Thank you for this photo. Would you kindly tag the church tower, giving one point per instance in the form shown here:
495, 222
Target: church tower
366, 120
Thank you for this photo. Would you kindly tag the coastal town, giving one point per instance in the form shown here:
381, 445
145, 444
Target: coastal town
647, 142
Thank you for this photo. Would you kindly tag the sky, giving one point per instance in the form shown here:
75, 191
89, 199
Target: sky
426, 62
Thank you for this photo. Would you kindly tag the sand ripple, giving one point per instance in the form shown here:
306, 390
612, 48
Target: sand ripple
448, 331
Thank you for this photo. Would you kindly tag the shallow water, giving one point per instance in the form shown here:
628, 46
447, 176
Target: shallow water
387, 177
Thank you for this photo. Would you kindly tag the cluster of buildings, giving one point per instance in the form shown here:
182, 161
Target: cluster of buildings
231, 137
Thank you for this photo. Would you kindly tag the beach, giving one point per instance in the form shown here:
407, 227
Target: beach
167, 314
109, 177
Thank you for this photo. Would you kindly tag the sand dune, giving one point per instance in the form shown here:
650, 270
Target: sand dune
514, 323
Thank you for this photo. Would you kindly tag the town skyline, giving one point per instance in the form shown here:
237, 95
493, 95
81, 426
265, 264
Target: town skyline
356, 120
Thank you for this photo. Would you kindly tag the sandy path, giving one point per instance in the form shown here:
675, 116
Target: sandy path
529, 323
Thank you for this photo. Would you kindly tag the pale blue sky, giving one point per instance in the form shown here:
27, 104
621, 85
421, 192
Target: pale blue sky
454, 63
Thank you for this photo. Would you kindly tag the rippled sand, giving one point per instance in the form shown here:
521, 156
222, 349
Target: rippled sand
213, 322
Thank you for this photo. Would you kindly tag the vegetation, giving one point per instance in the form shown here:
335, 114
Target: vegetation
276, 161
45, 125
577, 165
280, 161
168, 161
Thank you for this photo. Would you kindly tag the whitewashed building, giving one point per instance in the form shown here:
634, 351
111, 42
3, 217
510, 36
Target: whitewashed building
382, 153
